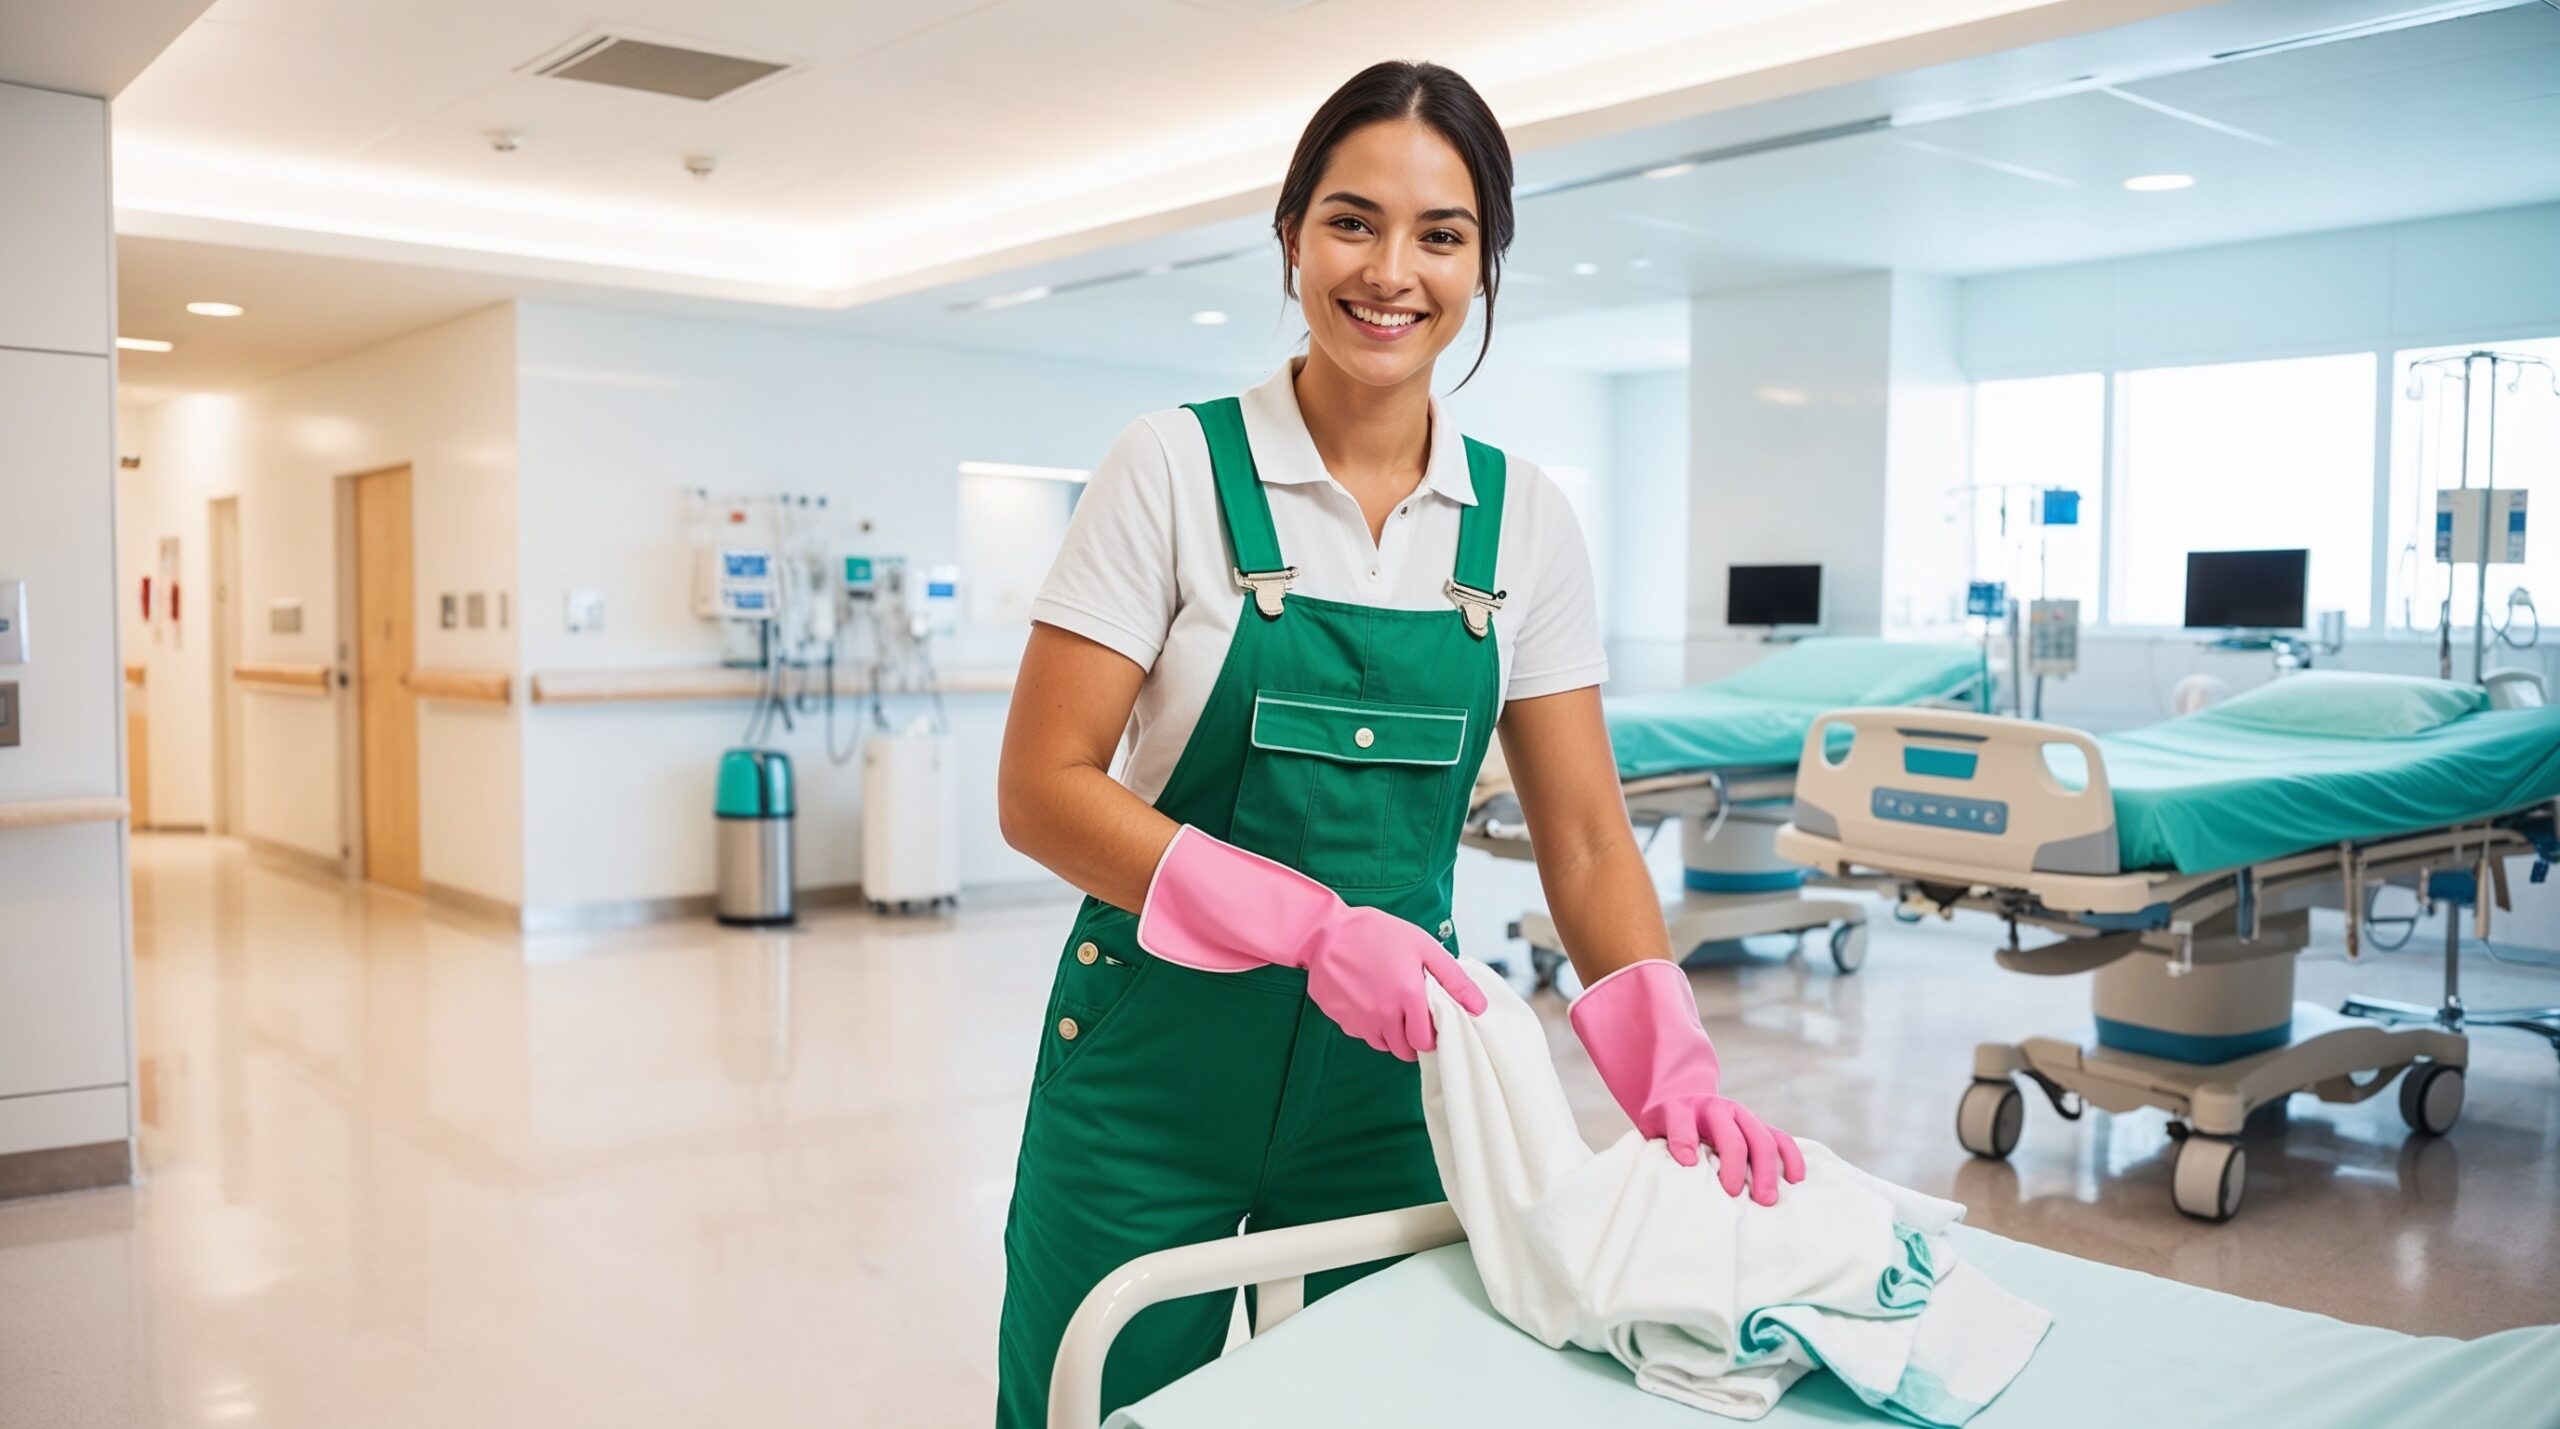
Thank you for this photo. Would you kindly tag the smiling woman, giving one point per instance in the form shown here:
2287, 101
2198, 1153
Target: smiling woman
1415, 217
1306, 611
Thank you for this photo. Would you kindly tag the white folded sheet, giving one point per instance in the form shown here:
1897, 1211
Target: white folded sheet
1710, 1299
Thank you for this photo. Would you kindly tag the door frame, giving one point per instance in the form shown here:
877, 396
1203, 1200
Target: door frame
348, 671
230, 630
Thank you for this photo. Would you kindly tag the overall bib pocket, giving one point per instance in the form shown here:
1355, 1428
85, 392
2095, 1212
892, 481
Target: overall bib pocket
1352, 793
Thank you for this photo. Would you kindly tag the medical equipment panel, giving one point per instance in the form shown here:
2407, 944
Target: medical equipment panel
2053, 637
2472, 520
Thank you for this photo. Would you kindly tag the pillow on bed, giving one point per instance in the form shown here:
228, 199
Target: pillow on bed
2350, 703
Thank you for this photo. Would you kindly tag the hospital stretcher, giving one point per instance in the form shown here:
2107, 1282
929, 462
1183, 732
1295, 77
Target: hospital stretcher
2179, 864
1719, 758
1418, 1343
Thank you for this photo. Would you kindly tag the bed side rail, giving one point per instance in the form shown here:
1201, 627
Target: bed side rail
1954, 788
1276, 1261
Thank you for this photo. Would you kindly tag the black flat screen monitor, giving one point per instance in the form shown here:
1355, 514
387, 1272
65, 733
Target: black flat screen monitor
1777, 597
2246, 590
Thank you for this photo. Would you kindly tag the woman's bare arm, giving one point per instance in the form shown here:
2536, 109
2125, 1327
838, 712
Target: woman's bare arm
1055, 797
1598, 889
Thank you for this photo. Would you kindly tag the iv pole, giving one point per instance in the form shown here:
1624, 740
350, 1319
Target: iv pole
2489, 482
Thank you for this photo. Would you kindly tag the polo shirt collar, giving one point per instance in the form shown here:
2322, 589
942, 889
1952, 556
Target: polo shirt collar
1285, 455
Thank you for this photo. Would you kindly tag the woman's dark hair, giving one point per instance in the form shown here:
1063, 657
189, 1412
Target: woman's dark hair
1442, 100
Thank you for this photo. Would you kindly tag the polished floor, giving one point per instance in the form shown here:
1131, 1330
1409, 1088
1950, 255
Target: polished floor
404, 1169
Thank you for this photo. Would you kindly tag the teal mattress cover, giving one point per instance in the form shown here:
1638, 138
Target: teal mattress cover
1419, 1344
1758, 717
2213, 790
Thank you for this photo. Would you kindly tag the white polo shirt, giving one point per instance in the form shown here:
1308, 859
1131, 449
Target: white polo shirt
1145, 569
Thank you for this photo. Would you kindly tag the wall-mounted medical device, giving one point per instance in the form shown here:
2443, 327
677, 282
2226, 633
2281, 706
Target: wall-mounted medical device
734, 583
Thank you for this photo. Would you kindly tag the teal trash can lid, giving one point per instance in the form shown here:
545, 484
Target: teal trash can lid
754, 784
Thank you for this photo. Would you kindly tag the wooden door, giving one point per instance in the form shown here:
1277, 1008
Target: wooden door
385, 610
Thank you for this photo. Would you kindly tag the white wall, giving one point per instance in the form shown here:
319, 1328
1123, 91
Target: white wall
2469, 276
1788, 439
65, 948
441, 401
1644, 579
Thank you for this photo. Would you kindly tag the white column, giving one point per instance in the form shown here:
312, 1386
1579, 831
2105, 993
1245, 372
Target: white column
65, 942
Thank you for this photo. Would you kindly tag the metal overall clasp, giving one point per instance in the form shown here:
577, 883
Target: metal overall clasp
1267, 588
1476, 605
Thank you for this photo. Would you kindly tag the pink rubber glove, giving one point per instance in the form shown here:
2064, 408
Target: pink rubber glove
1215, 907
1641, 1026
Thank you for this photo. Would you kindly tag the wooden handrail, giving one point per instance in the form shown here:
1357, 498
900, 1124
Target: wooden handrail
43, 813
480, 687
713, 682
305, 679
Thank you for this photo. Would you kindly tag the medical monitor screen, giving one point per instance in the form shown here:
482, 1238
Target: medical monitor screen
1773, 595
2246, 590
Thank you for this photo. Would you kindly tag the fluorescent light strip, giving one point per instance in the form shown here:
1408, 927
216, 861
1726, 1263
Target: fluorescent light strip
2174, 112
1997, 166
1037, 473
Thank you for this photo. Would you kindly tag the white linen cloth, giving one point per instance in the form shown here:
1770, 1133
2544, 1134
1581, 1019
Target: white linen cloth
1710, 1299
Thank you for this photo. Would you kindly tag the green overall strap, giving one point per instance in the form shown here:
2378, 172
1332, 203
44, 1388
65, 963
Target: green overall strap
1480, 540
1250, 538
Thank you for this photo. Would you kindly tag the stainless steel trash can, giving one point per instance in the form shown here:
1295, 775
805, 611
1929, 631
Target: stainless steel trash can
754, 810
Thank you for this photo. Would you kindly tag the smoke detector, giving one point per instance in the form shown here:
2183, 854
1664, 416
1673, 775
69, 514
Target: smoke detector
505, 141
700, 166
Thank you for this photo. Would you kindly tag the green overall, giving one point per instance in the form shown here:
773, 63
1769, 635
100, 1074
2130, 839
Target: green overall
1172, 1106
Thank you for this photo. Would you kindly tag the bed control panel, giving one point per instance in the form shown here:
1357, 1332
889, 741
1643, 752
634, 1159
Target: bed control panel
1903, 806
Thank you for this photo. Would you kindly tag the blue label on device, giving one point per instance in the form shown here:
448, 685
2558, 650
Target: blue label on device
1902, 806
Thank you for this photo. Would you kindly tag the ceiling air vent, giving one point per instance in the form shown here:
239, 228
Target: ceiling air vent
657, 69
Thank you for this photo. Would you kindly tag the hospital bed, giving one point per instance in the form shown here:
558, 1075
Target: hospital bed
2179, 864
1720, 758
1418, 1343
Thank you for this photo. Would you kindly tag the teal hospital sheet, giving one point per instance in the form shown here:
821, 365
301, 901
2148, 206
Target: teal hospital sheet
2209, 792
1419, 1344
1757, 717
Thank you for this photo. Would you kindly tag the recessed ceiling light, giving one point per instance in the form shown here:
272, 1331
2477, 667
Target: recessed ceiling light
1209, 317
1639, 262
144, 344
216, 310
1670, 171
1585, 270
2159, 183
1013, 300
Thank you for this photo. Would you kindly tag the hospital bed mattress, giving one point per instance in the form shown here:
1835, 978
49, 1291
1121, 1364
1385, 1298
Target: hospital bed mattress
1757, 717
2209, 792
1419, 1344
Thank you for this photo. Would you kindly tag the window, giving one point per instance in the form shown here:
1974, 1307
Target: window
2426, 456
2032, 435
2238, 456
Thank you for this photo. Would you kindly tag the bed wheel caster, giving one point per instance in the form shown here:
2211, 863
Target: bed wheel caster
1849, 947
2210, 1174
1989, 1118
2431, 1098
